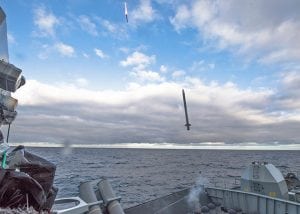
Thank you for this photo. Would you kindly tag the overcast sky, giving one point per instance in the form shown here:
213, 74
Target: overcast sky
92, 78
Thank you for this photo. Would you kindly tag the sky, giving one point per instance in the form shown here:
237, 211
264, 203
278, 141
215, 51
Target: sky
94, 79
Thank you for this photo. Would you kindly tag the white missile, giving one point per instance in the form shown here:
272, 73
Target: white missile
126, 11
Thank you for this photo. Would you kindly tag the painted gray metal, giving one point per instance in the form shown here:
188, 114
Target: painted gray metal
177, 203
252, 202
10, 77
173, 203
87, 194
78, 206
265, 179
112, 202
3, 37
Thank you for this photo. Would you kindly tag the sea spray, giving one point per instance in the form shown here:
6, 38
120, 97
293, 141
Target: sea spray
193, 198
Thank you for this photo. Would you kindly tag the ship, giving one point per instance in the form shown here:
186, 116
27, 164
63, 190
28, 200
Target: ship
263, 190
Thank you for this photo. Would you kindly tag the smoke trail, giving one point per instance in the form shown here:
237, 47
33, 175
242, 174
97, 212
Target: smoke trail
194, 195
67, 149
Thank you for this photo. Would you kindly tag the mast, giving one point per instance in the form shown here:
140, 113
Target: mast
10, 80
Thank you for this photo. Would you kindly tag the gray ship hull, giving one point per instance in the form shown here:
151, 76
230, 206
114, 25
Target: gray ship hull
225, 201
229, 200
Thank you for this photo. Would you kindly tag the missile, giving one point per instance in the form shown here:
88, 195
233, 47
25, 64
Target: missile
185, 111
126, 11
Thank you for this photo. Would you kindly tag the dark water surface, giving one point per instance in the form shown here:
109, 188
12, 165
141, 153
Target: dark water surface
139, 175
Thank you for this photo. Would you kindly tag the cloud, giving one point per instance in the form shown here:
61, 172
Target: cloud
144, 13
153, 113
145, 75
257, 29
140, 63
288, 96
87, 25
45, 21
177, 74
85, 55
100, 53
180, 20
201, 65
64, 49
81, 82
124, 50
138, 60
45, 50
291, 79
111, 29
163, 69
281, 56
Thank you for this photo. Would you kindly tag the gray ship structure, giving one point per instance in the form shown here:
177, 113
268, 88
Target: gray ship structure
26, 180
262, 190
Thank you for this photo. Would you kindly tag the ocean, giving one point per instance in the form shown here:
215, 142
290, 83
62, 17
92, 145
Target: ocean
139, 175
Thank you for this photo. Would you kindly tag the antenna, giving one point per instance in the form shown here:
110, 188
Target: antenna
7, 136
186, 112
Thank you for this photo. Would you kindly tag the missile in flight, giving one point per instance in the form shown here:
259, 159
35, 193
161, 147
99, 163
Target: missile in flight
185, 111
126, 11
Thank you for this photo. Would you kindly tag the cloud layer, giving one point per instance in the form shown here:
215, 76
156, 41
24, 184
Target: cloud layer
45, 21
268, 31
153, 113
144, 13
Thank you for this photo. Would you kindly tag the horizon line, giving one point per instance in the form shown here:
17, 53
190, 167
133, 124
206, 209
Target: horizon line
209, 146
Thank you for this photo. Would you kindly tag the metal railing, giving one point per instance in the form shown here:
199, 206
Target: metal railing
252, 202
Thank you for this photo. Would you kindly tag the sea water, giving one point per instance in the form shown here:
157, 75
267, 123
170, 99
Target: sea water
139, 175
